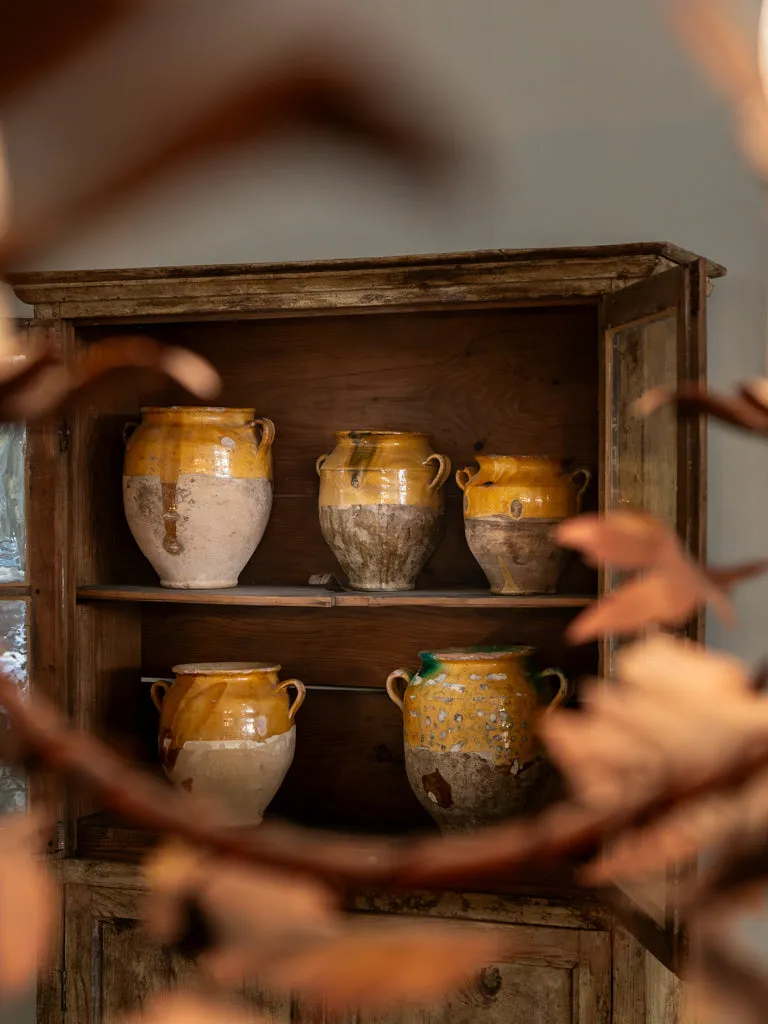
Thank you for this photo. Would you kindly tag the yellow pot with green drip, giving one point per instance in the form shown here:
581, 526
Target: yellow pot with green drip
197, 491
381, 505
511, 505
227, 733
469, 726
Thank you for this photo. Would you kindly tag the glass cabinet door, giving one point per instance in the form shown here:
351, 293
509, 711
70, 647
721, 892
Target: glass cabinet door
654, 336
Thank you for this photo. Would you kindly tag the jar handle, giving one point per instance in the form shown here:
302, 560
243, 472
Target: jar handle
562, 694
463, 476
127, 432
267, 433
157, 692
392, 689
301, 693
581, 471
320, 462
443, 470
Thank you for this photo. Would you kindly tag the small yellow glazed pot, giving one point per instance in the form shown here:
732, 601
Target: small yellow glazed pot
227, 733
381, 505
511, 504
197, 490
470, 715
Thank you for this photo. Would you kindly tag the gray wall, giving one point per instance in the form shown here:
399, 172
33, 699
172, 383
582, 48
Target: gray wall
594, 129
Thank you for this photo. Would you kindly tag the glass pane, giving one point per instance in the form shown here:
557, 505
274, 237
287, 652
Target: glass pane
13, 661
643, 475
644, 451
13, 561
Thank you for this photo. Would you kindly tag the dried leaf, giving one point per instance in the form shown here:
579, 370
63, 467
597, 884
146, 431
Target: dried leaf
664, 597
622, 539
28, 905
670, 591
677, 718
243, 906
381, 964
191, 1008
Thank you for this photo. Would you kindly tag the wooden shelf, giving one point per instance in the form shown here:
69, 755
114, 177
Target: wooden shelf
317, 597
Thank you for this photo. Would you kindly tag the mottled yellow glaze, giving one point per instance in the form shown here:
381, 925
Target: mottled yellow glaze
223, 701
521, 487
483, 701
382, 467
186, 440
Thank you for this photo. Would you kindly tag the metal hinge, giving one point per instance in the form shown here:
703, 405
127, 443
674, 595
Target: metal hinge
63, 1004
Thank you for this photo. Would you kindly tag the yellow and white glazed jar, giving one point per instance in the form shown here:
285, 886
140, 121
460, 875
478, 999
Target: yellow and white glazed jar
381, 505
470, 715
227, 733
511, 504
197, 490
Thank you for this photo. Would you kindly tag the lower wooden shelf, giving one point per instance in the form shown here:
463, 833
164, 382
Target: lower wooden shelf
318, 597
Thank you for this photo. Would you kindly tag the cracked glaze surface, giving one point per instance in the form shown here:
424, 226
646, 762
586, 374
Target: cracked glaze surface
469, 725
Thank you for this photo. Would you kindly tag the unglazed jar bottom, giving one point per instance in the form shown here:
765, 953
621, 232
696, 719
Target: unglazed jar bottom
199, 533
518, 557
381, 547
240, 776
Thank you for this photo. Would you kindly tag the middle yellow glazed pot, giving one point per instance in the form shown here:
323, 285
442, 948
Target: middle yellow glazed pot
227, 733
381, 505
469, 725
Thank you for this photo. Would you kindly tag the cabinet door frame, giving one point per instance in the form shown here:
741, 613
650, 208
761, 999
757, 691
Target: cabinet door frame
679, 293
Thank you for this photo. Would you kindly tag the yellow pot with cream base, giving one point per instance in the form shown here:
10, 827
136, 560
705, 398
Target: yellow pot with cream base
470, 715
511, 505
381, 505
197, 491
227, 733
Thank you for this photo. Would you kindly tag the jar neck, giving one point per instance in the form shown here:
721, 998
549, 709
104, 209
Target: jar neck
186, 416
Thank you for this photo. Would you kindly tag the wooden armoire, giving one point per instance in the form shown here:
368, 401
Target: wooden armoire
519, 352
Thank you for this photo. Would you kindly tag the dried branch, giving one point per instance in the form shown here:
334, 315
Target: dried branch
35, 386
670, 588
747, 409
309, 82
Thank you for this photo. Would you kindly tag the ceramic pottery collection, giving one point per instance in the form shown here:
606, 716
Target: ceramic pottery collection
197, 490
381, 506
227, 733
469, 723
511, 504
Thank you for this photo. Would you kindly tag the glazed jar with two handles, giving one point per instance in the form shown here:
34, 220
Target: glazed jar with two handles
227, 733
469, 726
197, 490
511, 506
381, 506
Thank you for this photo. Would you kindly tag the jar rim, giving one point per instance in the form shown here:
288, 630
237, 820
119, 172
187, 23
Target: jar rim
481, 653
210, 668
379, 433
154, 409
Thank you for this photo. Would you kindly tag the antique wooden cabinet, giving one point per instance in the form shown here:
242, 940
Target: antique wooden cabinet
536, 352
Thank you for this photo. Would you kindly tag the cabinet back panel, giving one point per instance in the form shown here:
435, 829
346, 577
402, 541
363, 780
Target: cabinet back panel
346, 646
494, 381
